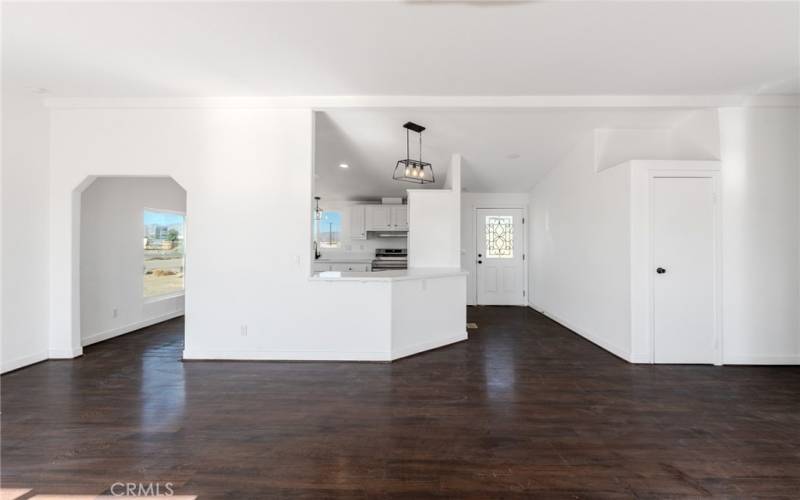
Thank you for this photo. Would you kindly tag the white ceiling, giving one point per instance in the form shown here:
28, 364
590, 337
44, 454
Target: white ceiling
371, 141
133, 49
412, 48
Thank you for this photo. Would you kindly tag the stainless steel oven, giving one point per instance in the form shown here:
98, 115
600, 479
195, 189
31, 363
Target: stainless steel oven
390, 258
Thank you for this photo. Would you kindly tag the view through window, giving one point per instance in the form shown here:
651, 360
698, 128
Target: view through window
163, 252
329, 229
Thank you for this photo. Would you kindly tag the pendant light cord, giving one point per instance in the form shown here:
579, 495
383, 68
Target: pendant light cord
408, 149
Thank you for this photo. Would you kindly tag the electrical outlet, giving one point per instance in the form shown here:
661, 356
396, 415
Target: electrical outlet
114, 313
243, 330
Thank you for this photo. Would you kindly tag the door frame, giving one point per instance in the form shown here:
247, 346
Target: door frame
643, 175
525, 259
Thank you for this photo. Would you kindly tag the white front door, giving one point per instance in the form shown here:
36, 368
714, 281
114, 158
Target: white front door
500, 266
683, 274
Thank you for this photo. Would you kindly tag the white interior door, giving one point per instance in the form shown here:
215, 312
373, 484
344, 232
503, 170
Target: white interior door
500, 267
683, 261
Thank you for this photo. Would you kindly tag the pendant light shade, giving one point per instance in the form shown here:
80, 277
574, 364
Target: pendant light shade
317, 210
409, 169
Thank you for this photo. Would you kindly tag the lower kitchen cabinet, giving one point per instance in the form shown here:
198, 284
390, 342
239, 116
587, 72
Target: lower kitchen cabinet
351, 267
341, 266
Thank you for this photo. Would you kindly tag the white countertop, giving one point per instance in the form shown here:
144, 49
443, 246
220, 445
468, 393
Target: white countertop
390, 275
345, 260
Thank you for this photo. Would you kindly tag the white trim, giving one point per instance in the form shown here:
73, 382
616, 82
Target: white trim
643, 174
166, 296
367, 101
121, 330
323, 355
287, 355
65, 353
617, 351
427, 346
772, 101
21, 362
760, 359
165, 210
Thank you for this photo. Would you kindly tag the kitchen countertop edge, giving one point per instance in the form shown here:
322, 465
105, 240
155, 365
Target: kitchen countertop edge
393, 275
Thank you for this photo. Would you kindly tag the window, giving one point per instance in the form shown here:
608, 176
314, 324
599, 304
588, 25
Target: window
329, 229
163, 252
499, 237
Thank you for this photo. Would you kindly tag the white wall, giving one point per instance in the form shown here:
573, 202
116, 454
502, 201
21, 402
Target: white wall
580, 249
760, 200
246, 172
580, 241
434, 222
427, 313
614, 146
470, 202
111, 255
695, 137
26, 137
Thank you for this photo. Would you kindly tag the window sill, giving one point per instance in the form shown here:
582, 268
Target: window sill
166, 296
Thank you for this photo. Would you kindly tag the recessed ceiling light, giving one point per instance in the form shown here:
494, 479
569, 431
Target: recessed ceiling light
344, 165
39, 90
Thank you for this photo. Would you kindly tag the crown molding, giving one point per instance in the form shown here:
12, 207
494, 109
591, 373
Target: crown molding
323, 102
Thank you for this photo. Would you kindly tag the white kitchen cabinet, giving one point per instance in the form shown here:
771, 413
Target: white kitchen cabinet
319, 267
344, 267
387, 217
400, 218
363, 267
379, 218
358, 222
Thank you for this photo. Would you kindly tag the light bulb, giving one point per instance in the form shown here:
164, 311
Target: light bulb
408, 170
421, 173
414, 172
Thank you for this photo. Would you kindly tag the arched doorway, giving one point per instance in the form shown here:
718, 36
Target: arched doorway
132, 241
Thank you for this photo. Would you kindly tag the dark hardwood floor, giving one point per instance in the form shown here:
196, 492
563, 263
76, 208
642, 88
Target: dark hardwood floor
523, 409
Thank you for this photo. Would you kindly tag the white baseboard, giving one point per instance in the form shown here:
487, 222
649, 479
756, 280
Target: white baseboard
286, 355
617, 351
768, 359
15, 364
327, 355
115, 332
427, 346
74, 352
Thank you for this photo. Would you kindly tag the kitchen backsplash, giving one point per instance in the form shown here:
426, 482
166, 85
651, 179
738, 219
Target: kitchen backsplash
363, 248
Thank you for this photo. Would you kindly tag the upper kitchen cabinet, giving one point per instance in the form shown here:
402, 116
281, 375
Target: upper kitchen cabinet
379, 218
400, 218
387, 217
358, 222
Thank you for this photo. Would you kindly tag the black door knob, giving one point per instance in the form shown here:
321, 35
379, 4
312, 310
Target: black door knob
480, 255
661, 270
480, 262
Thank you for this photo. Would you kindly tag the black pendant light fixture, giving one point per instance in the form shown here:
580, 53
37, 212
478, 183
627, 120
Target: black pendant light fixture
317, 210
408, 169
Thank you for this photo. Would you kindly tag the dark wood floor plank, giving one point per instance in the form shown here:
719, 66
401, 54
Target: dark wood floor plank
524, 409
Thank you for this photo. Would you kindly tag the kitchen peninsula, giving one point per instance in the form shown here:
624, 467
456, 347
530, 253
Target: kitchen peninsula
424, 308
